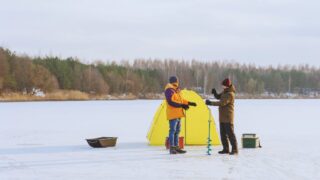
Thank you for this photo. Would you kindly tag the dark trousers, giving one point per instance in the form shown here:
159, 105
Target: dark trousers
227, 134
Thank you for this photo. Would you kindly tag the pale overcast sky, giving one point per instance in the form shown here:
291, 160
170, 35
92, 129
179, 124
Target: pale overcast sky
249, 31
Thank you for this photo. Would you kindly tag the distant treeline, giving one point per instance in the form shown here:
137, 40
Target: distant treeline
20, 73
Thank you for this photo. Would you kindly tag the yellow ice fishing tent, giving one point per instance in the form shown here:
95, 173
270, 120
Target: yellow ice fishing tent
194, 128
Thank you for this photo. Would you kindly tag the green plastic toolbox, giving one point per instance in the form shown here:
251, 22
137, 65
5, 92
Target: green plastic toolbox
250, 141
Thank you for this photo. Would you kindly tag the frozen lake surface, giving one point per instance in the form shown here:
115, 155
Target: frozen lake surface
46, 140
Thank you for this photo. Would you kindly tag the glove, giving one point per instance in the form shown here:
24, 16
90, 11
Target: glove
214, 91
216, 95
208, 102
192, 104
185, 106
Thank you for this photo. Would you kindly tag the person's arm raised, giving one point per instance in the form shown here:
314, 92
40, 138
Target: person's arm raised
216, 95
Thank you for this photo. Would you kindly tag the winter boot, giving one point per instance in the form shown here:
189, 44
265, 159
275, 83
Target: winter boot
180, 151
173, 150
234, 152
224, 151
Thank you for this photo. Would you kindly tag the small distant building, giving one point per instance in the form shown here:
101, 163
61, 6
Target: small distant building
38, 92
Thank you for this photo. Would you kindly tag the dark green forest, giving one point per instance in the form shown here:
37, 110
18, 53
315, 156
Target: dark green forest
23, 73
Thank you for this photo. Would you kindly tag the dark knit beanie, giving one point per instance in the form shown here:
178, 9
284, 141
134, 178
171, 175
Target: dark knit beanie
173, 79
226, 82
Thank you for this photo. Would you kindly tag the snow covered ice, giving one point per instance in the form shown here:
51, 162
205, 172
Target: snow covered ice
46, 140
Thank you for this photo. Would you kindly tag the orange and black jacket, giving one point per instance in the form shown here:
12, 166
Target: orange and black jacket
174, 102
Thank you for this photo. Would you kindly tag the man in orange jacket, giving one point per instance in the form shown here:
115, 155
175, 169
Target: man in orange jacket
175, 111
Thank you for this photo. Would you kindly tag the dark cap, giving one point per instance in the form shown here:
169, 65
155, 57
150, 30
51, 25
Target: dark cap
173, 79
